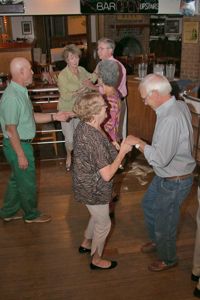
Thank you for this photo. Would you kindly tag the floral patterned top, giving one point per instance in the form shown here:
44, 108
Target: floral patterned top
111, 123
92, 152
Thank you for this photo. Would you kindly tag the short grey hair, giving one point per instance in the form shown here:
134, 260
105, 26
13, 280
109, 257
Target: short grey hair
108, 71
155, 82
110, 44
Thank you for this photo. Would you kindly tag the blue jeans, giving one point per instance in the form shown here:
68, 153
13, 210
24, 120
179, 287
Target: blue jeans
161, 206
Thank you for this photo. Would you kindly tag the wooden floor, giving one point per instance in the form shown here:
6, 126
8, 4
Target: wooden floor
41, 261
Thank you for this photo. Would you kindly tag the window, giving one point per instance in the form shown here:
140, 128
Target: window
57, 26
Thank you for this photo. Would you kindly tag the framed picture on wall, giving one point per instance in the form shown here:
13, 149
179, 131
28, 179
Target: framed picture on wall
191, 32
76, 25
26, 27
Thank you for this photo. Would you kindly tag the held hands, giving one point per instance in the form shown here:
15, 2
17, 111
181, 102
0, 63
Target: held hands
132, 140
62, 116
125, 148
88, 84
116, 145
82, 90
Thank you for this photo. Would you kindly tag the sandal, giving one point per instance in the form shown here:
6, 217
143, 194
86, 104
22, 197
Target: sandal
68, 167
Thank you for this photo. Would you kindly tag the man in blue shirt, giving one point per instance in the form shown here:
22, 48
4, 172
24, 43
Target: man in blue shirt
170, 154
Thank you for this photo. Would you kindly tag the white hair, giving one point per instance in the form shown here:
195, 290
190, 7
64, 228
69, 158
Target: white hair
155, 82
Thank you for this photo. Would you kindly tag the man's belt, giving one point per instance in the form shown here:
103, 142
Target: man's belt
177, 177
25, 141
123, 98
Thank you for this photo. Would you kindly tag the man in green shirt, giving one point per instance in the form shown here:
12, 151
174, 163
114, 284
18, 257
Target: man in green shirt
18, 124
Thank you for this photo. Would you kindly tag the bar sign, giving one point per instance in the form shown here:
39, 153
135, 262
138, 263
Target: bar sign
119, 6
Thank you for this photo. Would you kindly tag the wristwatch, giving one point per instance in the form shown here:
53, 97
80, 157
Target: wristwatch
137, 146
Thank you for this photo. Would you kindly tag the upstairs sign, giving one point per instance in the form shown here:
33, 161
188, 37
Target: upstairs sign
119, 6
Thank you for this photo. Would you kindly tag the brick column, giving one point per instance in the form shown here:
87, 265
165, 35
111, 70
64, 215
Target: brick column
190, 57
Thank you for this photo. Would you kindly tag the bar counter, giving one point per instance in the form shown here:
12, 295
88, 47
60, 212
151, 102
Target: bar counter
141, 118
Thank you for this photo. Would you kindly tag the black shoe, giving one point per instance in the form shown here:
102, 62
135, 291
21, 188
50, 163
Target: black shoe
197, 292
112, 266
112, 215
194, 277
83, 250
116, 198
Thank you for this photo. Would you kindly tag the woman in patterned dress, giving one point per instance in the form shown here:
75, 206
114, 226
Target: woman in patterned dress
95, 163
108, 74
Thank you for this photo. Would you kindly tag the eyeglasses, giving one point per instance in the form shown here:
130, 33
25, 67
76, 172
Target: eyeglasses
106, 105
101, 48
144, 99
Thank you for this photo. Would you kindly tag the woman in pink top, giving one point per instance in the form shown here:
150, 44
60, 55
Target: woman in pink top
108, 74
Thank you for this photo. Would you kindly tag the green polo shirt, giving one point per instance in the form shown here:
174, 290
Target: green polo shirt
69, 83
16, 109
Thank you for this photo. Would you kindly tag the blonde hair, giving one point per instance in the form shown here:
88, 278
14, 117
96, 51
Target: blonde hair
87, 105
70, 49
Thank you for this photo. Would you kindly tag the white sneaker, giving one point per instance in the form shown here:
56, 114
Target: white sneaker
41, 219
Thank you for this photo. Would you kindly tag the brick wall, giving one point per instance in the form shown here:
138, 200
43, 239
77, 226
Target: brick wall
190, 57
142, 35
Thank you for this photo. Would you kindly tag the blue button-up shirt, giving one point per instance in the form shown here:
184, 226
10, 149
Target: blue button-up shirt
171, 151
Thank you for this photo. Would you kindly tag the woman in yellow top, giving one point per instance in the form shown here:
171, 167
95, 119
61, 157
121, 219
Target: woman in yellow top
70, 86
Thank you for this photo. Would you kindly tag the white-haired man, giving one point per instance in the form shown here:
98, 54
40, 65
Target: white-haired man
18, 125
170, 154
105, 51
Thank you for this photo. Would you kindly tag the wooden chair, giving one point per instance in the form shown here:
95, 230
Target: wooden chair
78, 42
170, 60
45, 136
39, 69
161, 60
123, 57
137, 60
138, 57
151, 55
63, 44
177, 62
